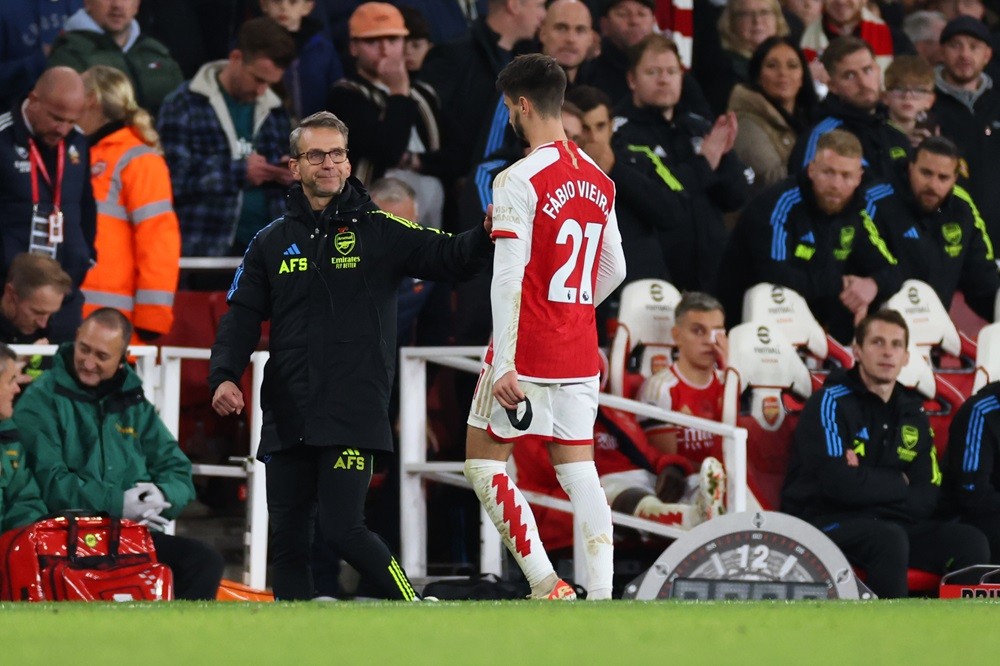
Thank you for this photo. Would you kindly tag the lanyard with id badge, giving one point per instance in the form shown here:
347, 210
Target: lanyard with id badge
46, 232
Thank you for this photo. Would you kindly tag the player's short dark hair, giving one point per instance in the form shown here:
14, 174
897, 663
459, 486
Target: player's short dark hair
29, 272
938, 145
842, 47
697, 301
654, 42
886, 315
265, 37
588, 98
539, 79
114, 320
323, 119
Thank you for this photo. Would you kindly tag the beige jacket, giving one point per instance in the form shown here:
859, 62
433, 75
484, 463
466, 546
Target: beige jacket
764, 140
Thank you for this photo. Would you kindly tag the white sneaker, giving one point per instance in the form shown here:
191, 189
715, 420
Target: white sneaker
711, 497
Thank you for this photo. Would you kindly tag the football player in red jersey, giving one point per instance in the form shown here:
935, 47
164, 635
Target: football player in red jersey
558, 254
692, 385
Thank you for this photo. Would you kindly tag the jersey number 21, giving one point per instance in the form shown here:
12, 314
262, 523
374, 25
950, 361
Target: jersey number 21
587, 237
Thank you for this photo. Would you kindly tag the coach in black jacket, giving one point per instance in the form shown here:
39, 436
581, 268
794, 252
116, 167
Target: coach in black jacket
864, 469
326, 275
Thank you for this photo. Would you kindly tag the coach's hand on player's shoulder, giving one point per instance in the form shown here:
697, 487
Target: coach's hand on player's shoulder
507, 391
228, 399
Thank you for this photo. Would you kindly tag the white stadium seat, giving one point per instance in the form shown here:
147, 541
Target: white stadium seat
642, 344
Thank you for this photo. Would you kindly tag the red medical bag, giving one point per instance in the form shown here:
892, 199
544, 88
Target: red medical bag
77, 557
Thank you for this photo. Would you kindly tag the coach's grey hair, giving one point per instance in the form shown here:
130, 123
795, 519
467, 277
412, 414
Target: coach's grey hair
391, 190
924, 25
318, 119
697, 301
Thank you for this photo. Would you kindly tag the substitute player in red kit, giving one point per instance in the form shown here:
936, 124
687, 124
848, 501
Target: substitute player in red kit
558, 254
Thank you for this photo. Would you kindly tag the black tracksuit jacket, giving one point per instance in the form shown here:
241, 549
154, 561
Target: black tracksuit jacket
890, 439
972, 461
948, 248
783, 237
882, 145
977, 134
328, 285
665, 152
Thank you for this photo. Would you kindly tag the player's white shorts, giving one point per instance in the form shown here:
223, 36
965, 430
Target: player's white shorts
561, 413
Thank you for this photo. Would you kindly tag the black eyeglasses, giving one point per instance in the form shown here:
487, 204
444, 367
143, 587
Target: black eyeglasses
317, 157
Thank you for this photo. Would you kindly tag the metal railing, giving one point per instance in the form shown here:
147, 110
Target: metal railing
415, 469
255, 535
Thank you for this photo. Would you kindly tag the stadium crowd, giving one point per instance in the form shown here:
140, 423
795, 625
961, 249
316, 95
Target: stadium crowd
836, 148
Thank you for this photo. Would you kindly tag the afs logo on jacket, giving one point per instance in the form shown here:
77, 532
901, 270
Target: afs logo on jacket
295, 263
350, 459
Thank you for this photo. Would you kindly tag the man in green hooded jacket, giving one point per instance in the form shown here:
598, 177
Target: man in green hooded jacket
96, 443
20, 501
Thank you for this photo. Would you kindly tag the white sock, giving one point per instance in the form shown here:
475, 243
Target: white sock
512, 516
590, 507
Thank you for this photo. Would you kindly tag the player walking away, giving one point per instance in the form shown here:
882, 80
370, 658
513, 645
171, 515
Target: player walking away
558, 254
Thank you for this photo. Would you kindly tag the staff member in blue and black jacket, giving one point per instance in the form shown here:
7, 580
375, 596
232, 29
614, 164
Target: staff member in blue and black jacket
864, 469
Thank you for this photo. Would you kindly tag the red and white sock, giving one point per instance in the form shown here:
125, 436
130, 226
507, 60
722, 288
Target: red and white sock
592, 513
512, 516
685, 516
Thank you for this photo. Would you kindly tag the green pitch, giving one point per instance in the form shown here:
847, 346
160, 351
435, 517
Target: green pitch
508, 633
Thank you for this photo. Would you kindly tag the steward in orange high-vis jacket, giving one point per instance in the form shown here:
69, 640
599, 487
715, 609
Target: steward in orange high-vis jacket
138, 235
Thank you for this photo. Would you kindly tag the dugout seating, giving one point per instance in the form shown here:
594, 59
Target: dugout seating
949, 354
765, 388
785, 309
643, 343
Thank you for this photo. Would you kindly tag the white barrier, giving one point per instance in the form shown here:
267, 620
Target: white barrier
162, 383
415, 469
145, 364
255, 536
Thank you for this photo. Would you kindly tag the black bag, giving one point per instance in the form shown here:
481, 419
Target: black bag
483, 587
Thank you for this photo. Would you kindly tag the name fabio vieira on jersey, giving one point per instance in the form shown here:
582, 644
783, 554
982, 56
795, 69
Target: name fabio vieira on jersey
583, 189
